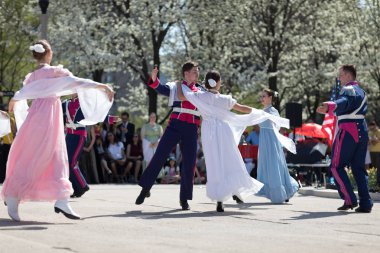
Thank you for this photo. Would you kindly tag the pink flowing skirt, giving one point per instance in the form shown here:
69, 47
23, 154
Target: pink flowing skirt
37, 168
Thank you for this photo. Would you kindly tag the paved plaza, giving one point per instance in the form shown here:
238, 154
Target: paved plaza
113, 223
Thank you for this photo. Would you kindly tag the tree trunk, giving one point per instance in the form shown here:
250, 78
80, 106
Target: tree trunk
152, 94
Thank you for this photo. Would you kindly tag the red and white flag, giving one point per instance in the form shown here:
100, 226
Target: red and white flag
329, 127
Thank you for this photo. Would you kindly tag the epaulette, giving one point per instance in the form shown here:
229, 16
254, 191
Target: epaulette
348, 91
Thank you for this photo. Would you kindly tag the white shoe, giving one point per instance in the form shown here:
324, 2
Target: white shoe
12, 204
63, 206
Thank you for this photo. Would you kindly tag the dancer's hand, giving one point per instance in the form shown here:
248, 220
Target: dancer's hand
108, 90
322, 109
4, 114
11, 105
154, 74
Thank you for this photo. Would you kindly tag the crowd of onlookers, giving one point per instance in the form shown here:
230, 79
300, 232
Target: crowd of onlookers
121, 152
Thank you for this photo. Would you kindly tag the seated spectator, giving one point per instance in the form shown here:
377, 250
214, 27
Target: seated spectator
134, 158
116, 157
243, 138
101, 159
201, 163
297, 138
311, 150
198, 178
171, 173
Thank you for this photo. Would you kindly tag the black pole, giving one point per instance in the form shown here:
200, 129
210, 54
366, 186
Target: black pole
44, 18
44, 4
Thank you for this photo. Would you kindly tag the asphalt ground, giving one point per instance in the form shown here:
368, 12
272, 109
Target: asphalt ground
111, 222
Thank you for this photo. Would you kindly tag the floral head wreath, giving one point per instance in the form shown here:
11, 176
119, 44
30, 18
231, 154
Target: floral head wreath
211, 82
37, 48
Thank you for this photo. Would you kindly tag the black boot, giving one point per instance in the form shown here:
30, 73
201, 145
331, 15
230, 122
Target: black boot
184, 205
145, 193
346, 207
236, 198
363, 210
219, 207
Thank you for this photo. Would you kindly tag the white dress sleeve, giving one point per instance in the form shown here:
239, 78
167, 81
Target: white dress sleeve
224, 101
94, 102
237, 122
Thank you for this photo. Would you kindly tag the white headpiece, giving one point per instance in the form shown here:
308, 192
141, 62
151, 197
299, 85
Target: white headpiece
211, 82
275, 94
37, 48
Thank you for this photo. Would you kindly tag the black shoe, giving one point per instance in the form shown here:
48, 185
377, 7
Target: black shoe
219, 207
363, 210
286, 200
184, 205
143, 194
346, 207
236, 198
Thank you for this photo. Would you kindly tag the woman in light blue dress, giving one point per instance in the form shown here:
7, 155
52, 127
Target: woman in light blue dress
272, 170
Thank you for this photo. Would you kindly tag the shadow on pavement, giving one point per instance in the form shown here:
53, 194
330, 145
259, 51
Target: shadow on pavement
7, 224
317, 215
170, 214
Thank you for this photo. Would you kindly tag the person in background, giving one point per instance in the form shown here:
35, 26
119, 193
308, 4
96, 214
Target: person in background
253, 137
6, 142
125, 130
134, 157
374, 148
171, 172
116, 157
150, 135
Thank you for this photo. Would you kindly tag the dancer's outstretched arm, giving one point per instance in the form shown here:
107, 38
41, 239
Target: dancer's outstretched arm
242, 108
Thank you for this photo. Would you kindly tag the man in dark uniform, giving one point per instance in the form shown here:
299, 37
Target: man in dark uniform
351, 140
182, 128
75, 137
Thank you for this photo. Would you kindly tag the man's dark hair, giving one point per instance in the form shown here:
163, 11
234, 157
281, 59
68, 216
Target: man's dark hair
349, 68
125, 114
188, 66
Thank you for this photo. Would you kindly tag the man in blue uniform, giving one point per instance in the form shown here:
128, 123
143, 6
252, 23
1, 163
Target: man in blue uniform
183, 129
350, 143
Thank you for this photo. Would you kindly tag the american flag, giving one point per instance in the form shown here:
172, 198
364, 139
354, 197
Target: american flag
329, 123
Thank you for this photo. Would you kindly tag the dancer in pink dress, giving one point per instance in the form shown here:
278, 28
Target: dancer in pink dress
37, 168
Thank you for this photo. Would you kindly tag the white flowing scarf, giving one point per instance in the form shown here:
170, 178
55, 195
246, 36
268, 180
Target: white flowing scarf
5, 125
94, 102
238, 122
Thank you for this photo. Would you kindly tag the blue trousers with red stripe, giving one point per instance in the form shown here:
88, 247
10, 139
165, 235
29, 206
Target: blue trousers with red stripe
177, 131
347, 152
74, 144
